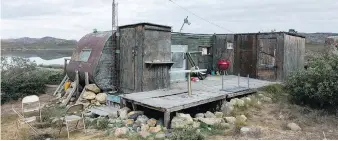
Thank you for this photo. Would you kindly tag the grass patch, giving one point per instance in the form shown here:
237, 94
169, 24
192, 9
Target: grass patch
186, 134
55, 111
275, 91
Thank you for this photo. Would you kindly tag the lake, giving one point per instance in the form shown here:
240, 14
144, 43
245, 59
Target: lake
45, 57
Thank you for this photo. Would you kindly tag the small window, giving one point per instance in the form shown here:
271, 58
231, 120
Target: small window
84, 55
206, 50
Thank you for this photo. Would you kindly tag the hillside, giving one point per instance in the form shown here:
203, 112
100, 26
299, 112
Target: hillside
317, 38
27, 43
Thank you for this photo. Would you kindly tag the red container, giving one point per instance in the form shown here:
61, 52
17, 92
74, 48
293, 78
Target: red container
223, 64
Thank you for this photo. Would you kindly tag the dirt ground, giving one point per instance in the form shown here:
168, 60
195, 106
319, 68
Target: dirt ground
271, 118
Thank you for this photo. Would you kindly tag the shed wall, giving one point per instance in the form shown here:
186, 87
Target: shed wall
220, 50
195, 42
294, 53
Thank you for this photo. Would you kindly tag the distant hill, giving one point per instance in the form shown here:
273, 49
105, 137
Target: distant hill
27, 43
317, 38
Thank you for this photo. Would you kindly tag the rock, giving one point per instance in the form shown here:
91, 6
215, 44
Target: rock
227, 108
121, 131
218, 114
230, 120
160, 122
294, 127
129, 122
240, 103
198, 131
208, 114
134, 114
89, 95
144, 127
181, 121
225, 125
111, 125
199, 115
113, 115
123, 112
151, 122
160, 135
142, 119
261, 95
138, 129
259, 103
155, 129
101, 97
242, 118
89, 114
93, 88
196, 124
233, 101
247, 99
267, 99
244, 130
97, 103
71, 99
144, 134
209, 128
211, 121
195, 119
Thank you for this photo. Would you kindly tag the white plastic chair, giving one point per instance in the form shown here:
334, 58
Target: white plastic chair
74, 113
30, 104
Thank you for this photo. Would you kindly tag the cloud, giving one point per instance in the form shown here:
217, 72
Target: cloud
71, 19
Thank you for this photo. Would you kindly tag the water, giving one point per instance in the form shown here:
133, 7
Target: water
45, 57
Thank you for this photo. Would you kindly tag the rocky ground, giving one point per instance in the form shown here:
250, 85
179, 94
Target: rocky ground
259, 116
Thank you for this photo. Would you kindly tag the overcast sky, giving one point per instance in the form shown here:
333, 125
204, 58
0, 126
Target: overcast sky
71, 19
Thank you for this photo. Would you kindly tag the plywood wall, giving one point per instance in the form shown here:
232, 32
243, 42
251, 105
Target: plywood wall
220, 50
294, 53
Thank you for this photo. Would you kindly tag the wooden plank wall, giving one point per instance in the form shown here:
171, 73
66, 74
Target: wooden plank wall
294, 53
194, 41
220, 50
156, 46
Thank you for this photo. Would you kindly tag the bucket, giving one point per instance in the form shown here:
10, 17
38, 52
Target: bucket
213, 73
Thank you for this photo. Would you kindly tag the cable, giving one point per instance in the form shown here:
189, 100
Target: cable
200, 17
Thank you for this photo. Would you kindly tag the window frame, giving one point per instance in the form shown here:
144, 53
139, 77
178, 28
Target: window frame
81, 54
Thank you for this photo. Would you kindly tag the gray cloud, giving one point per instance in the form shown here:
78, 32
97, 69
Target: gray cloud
72, 19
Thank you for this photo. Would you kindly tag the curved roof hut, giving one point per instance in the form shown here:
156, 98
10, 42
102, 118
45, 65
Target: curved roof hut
94, 55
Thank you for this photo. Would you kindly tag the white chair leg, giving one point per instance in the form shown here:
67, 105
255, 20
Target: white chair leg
67, 129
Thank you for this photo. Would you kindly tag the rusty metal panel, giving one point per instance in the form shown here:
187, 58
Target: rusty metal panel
94, 41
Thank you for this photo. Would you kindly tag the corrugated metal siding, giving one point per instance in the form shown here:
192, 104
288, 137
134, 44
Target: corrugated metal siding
220, 51
194, 42
294, 53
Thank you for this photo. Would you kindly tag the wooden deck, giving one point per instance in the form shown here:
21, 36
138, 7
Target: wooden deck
176, 97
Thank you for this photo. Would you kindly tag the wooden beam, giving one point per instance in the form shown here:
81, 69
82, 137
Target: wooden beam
167, 119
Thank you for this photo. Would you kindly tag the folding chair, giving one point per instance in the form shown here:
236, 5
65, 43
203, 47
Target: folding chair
29, 104
74, 113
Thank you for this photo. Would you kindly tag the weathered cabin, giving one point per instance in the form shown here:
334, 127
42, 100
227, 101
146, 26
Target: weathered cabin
93, 55
269, 56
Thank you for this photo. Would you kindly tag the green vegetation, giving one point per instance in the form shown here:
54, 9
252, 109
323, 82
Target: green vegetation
21, 77
316, 87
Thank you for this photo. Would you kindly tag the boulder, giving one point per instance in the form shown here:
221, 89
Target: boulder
242, 118
101, 97
71, 100
240, 103
92, 88
247, 99
121, 131
230, 120
260, 95
144, 134
123, 112
142, 119
181, 121
97, 103
227, 108
89, 95
134, 114
155, 129
244, 130
225, 125
129, 122
199, 115
113, 115
267, 99
160, 135
233, 101
152, 122
196, 124
144, 127
218, 114
211, 121
208, 114
294, 127
111, 125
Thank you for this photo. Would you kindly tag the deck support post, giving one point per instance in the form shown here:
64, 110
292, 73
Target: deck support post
86, 78
134, 106
166, 119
